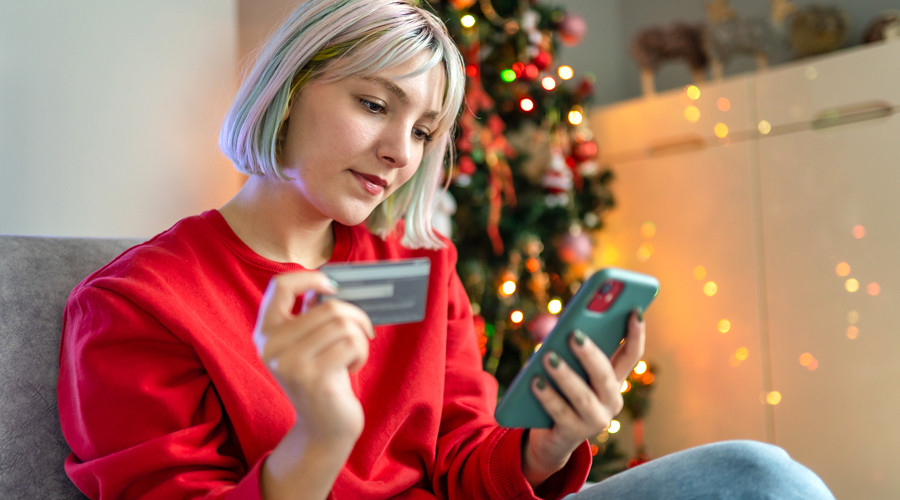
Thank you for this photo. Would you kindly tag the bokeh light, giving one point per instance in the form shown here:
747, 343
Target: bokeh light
765, 128
648, 229
640, 368
842, 269
565, 72
508, 287
724, 326
692, 114
614, 427
693, 92
548, 83
710, 288
859, 232
575, 117
554, 306
517, 317
721, 130
852, 285
699, 273
723, 104
526, 104
852, 332
467, 20
873, 289
773, 398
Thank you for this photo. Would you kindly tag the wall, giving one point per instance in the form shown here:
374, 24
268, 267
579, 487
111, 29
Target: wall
109, 113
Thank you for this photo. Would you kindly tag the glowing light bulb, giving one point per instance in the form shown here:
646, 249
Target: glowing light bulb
508, 287
842, 269
517, 317
710, 288
693, 92
554, 306
765, 128
721, 130
614, 427
526, 104
724, 326
467, 20
692, 114
575, 117
699, 273
645, 251
640, 368
565, 72
723, 104
548, 83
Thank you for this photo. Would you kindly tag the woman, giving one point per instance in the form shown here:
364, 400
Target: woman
191, 366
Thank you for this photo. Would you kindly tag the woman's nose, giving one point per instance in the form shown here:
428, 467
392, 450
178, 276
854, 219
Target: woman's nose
396, 148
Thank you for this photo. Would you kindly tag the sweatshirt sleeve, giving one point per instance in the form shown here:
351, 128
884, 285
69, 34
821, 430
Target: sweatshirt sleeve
477, 459
139, 411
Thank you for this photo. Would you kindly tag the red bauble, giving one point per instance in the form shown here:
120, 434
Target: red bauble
585, 150
466, 165
542, 60
572, 29
462, 4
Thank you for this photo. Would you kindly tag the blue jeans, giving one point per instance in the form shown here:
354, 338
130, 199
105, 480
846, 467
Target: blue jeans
730, 469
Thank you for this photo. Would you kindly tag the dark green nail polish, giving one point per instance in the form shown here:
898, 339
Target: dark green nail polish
554, 360
334, 284
640, 313
579, 337
540, 383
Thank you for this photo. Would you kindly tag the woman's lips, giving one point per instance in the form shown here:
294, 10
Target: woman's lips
371, 183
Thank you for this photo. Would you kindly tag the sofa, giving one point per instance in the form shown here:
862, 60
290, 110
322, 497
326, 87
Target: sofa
36, 275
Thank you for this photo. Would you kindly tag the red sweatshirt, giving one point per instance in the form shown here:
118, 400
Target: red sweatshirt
162, 394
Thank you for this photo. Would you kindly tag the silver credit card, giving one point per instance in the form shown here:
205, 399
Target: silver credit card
391, 292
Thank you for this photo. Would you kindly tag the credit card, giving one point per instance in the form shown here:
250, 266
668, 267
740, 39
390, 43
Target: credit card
391, 292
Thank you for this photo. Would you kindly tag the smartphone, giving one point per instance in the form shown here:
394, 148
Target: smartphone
600, 309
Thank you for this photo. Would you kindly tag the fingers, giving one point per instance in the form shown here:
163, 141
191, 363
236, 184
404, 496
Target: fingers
629, 353
590, 405
318, 329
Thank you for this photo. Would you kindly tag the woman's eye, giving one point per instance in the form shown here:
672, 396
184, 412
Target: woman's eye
374, 107
422, 135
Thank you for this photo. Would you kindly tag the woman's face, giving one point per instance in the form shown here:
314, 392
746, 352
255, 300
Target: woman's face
350, 144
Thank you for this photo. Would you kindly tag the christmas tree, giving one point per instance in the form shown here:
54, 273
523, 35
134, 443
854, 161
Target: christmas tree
528, 191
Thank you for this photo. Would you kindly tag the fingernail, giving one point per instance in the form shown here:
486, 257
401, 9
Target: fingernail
540, 383
554, 360
640, 314
579, 337
334, 284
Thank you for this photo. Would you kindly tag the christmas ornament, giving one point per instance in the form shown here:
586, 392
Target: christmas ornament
572, 29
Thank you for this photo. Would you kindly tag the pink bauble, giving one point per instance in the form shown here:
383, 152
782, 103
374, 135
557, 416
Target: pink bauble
572, 29
576, 248
540, 326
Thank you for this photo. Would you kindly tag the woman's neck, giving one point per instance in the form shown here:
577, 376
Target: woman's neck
272, 219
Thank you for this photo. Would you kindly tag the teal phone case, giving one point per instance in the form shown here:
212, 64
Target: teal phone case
519, 407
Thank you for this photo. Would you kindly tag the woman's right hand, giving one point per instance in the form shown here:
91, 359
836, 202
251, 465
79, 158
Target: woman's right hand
312, 355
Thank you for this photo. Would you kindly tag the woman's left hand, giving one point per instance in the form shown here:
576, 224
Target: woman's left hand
588, 408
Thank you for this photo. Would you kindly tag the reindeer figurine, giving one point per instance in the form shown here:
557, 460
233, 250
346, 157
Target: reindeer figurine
727, 34
657, 44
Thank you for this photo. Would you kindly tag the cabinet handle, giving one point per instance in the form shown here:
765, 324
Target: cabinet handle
852, 114
676, 145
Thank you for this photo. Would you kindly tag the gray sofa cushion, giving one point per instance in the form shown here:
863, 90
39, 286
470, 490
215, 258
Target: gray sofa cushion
36, 276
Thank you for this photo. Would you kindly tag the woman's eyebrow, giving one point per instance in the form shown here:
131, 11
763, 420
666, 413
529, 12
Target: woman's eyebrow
395, 89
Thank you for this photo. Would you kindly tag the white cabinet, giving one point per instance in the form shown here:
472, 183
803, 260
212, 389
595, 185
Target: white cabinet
779, 222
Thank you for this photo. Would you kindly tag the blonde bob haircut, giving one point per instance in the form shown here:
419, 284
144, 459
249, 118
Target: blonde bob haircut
329, 40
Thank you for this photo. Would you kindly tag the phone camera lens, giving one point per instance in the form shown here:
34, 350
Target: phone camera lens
605, 288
